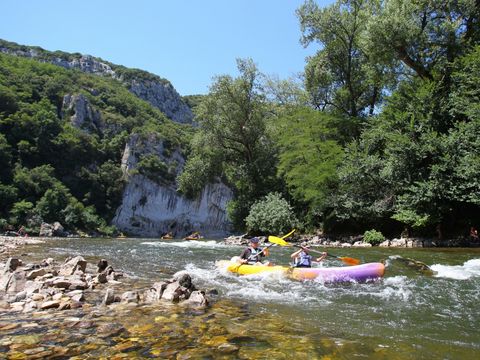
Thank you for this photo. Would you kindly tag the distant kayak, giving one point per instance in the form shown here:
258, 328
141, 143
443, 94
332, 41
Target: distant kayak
194, 236
358, 273
167, 237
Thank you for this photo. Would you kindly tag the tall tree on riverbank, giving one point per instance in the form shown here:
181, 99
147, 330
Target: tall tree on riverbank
340, 77
232, 141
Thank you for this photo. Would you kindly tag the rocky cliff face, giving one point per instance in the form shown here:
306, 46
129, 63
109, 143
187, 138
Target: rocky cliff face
157, 91
83, 115
151, 208
163, 96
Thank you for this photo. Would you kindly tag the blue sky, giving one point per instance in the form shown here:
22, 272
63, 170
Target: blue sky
185, 41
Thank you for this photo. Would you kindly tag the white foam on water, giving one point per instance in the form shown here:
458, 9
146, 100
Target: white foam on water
189, 244
394, 288
469, 269
262, 287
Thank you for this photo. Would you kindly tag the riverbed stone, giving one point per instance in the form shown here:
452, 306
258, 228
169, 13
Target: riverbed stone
101, 278
77, 284
398, 243
11, 265
183, 278
72, 265
172, 292
52, 304
61, 283
197, 298
361, 244
30, 306
155, 292
13, 282
20, 296
385, 243
36, 273
37, 297
102, 265
109, 297
130, 297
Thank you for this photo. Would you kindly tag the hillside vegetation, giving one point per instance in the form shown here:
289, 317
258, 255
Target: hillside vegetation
52, 170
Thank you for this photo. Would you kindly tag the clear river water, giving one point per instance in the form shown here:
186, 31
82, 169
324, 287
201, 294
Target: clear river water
409, 314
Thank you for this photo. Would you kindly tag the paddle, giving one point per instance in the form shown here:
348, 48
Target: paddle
345, 259
290, 233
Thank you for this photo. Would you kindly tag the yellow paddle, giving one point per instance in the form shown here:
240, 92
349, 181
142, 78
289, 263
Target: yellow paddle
290, 233
345, 259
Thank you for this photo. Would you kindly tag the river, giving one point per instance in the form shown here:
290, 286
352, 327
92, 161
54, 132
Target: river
409, 314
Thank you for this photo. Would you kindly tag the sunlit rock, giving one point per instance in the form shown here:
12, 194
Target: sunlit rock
72, 265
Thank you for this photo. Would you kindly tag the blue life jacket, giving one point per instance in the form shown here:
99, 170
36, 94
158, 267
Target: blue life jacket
303, 260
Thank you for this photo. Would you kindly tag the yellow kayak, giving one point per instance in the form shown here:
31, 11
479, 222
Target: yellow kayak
244, 269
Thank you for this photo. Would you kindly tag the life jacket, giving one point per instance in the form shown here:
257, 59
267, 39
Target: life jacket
254, 255
303, 260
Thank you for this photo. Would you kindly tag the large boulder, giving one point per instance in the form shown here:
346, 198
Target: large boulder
72, 265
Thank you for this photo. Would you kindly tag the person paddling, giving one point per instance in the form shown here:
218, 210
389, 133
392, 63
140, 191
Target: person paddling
301, 257
253, 253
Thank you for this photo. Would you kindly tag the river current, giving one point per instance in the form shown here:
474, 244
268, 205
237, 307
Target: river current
409, 314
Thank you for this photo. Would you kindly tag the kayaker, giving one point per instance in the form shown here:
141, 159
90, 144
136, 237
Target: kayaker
253, 253
301, 257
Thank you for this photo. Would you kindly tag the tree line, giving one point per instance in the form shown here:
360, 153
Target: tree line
380, 132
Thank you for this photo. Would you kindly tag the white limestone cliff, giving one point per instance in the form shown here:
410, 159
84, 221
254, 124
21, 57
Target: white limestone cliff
152, 208
149, 209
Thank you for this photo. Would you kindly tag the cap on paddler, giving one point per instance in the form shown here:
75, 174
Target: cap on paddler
254, 240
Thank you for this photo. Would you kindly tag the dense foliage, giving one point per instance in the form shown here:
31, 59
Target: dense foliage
53, 170
384, 134
271, 215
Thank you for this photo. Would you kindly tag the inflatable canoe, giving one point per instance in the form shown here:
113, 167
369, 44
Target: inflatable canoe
358, 273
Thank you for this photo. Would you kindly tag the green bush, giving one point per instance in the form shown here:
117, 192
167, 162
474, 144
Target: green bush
271, 215
373, 237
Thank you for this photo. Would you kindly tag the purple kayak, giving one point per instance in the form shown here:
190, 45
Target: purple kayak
358, 273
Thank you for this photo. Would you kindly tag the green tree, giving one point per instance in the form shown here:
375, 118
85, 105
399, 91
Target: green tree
340, 77
5, 158
309, 153
33, 183
423, 35
51, 205
233, 132
414, 165
8, 195
20, 212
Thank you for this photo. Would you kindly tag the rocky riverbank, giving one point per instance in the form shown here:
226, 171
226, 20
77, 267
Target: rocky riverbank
357, 241
45, 285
